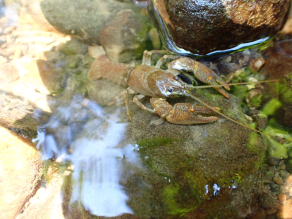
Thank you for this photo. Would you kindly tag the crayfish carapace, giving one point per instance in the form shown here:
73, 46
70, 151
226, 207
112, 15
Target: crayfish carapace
147, 80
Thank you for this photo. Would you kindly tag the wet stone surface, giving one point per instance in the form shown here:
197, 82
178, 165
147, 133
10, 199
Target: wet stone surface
202, 27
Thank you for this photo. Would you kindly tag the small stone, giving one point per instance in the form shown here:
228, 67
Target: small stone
273, 161
284, 174
282, 167
289, 179
256, 63
278, 180
228, 59
2, 60
266, 201
8, 30
73, 47
96, 51
282, 197
43, 77
271, 211
124, 35
286, 212
17, 53
8, 73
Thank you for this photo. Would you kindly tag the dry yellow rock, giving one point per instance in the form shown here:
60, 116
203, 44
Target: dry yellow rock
20, 167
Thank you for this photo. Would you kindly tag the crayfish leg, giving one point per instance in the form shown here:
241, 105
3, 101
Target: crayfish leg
136, 100
146, 60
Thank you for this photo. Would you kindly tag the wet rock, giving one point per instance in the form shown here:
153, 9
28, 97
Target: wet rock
20, 172
96, 51
198, 26
278, 60
53, 56
278, 66
267, 201
123, 38
90, 19
8, 73
31, 13
256, 63
98, 91
282, 197
72, 61
43, 77
73, 47
278, 180
273, 161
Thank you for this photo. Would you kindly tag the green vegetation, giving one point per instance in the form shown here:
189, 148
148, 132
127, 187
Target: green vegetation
271, 107
277, 149
154, 142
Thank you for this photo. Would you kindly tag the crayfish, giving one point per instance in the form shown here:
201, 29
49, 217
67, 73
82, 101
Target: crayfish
147, 80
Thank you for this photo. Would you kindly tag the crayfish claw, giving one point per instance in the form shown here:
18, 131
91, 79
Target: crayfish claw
183, 113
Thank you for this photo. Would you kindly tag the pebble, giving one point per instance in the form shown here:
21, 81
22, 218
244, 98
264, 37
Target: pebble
278, 180
8, 73
282, 167
271, 211
282, 197
18, 53
289, 179
96, 51
286, 212
9, 29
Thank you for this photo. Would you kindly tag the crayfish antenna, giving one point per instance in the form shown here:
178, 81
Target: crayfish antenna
227, 117
242, 83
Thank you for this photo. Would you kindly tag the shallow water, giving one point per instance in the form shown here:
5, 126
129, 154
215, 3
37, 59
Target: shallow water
98, 162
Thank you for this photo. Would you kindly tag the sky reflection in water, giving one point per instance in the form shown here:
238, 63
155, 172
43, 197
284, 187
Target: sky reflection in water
97, 156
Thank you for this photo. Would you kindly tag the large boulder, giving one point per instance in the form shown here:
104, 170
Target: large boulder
202, 27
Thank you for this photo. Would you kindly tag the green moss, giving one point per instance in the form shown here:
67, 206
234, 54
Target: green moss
271, 107
154, 142
256, 100
253, 141
277, 149
240, 91
179, 202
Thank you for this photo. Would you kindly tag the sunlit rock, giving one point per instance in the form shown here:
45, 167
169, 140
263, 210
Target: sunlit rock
20, 172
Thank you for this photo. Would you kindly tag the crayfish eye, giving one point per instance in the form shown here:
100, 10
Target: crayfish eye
169, 89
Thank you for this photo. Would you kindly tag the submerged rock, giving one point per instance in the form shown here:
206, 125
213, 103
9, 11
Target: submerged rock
205, 27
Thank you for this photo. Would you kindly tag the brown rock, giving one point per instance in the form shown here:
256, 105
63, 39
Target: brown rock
202, 27
256, 63
43, 77
278, 180
124, 36
282, 197
286, 213
20, 165
96, 51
